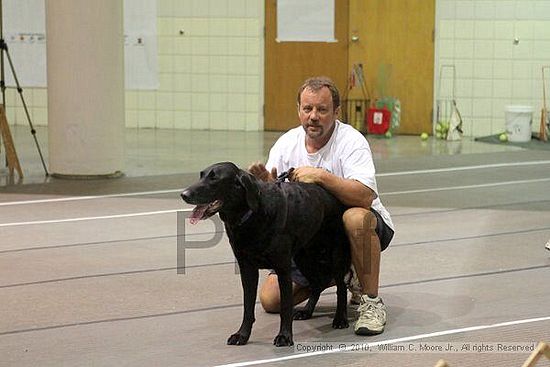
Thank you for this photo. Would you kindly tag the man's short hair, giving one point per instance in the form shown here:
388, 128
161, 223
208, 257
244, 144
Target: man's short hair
317, 83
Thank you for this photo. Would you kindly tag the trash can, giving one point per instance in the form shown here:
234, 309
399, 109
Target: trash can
378, 120
518, 123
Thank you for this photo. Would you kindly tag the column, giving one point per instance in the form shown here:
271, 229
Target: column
85, 57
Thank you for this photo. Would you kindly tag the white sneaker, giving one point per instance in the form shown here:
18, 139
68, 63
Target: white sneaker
372, 316
547, 245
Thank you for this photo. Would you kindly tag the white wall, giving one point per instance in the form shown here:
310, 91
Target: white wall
211, 76
477, 37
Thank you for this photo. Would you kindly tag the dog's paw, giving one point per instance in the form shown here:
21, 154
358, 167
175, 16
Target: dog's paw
282, 340
340, 323
301, 315
237, 339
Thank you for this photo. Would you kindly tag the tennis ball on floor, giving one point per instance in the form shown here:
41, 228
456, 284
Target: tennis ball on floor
503, 137
388, 134
424, 136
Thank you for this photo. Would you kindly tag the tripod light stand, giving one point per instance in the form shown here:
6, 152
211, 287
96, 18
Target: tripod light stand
4, 51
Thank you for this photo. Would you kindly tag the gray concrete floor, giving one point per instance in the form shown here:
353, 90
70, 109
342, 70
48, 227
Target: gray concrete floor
88, 268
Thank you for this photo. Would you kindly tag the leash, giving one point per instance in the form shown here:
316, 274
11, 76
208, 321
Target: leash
285, 175
281, 220
245, 217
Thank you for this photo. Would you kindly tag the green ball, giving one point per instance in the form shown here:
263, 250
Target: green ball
503, 137
424, 136
388, 134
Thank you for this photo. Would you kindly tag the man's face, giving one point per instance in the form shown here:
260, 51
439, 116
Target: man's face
317, 114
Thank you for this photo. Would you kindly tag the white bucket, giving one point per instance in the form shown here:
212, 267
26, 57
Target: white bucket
518, 123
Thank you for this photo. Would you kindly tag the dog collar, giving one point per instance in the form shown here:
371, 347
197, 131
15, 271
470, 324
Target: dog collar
245, 217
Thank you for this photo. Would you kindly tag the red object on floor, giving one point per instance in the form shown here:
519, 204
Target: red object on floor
378, 120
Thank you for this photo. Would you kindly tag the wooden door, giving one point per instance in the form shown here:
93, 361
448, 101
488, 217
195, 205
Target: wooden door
394, 41
288, 64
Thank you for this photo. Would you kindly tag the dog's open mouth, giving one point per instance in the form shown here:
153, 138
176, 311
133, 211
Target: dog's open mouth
203, 211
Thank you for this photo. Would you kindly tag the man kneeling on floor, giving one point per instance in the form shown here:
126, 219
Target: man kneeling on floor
334, 155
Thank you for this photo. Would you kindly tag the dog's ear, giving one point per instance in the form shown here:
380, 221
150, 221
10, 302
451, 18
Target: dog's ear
251, 188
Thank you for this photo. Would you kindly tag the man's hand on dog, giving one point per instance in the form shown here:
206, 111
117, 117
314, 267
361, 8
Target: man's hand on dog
259, 171
308, 175
301, 174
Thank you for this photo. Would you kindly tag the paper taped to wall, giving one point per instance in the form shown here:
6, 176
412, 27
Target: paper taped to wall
25, 36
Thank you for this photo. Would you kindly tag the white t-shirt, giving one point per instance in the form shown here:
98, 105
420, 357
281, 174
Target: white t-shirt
347, 154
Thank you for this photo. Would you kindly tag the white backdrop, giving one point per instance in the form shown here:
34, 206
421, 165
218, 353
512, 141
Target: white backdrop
305, 21
25, 35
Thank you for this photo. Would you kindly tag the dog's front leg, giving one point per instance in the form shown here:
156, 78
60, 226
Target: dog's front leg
341, 317
284, 338
249, 281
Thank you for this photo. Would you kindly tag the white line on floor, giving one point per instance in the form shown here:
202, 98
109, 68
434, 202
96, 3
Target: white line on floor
92, 197
463, 168
51, 221
387, 341
465, 187
169, 191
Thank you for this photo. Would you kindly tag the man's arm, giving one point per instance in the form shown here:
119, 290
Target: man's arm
351, 193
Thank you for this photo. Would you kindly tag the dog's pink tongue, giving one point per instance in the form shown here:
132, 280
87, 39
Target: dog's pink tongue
197, 213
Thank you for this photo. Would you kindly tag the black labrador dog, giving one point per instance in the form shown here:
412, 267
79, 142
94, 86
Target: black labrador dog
324, 259
269, 223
